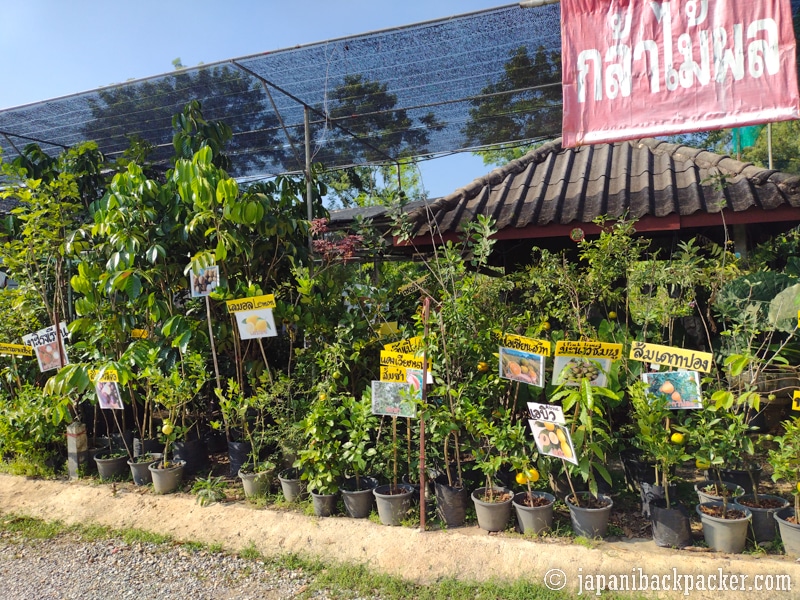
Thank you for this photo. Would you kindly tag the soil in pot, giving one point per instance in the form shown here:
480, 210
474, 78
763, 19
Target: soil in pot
763, 527
534, 512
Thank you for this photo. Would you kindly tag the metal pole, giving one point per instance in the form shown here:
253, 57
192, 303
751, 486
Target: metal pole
309, 187
769, 143
426, 309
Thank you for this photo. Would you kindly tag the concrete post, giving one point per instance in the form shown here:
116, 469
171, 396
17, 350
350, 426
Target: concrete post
77, 448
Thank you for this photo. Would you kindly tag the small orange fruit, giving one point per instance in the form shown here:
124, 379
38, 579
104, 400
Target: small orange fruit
612, 315
546, 325
521, 479
677, 438
483, 367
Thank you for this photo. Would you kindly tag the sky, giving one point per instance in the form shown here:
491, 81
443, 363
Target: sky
53, 48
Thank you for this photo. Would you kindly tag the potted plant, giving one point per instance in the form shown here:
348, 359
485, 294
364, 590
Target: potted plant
393, 500
534, 509
660, 435
321, 459
719, 436
785, 462
589, 511
499, 439
357, 451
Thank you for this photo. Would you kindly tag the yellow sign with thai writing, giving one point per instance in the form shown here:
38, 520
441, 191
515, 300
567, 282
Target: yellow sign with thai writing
677, 358
525, 344
589, 349
17, 349
395, 374
139, 334
388, 328
796, 400
109, 376
408, 346
252, 303
400, 359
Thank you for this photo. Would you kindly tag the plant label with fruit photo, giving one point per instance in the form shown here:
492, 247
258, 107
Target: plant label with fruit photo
394, 399
256, 323
571, 370
553, 439
204, 282
108, 395
546, 412
524, 367
681, 388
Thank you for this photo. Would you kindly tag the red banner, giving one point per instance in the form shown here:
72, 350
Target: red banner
634, 69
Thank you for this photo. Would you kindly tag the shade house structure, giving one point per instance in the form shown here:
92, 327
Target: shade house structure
410, 93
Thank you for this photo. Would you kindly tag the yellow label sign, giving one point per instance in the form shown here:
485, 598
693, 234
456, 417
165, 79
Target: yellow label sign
109, 376
589, 349
18, 349
677, 358
394, 374
139, 334
388, 328
399, 359
252, 303
524, 344
796, 400
408, 346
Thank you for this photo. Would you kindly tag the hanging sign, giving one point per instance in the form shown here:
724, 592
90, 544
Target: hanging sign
676, 358
524, 367
627, 65
394, 399
16, 349
796, 400
408, 346
576, 361
680, 388
546, 412
589, 349
553, 439
140, 334
256, 324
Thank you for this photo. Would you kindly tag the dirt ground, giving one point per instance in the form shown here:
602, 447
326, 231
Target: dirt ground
466, 553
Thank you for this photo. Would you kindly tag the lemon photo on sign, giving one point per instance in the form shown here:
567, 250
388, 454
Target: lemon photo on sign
256, 323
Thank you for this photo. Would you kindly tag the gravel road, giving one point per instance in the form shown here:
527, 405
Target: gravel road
69, 568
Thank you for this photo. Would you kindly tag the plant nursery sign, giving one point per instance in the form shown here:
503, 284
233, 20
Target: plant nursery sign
796, 400
394, 399
399, 367
524, 344
45, 344
524, 367
576, 361
553, 439
257, 323
675, 358
107, 388
204, 281
546, 412
408, 346
251, 303
139, 334
681, 388
16, 349
627, 65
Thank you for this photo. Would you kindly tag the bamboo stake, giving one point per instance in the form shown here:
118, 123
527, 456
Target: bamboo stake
211, 339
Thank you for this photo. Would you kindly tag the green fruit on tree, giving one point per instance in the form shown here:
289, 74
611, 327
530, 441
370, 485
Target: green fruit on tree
167, 428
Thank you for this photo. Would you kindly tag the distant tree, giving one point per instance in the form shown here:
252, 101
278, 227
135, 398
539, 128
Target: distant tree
523, 104
144, 110
785, 148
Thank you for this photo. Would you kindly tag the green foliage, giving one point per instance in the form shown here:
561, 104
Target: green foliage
209, 490
32, 421
325, 434
785, 459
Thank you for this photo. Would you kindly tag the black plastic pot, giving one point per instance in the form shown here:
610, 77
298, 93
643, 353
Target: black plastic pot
239, 453
193, 453
650, 492
146, 446
671, 526
451, 502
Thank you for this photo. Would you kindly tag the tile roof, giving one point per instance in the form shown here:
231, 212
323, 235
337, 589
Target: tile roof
645, 179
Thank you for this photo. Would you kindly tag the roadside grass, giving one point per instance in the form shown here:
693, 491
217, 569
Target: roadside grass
331, 580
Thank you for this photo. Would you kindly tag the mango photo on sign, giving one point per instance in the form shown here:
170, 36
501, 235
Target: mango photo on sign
256, 323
